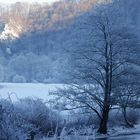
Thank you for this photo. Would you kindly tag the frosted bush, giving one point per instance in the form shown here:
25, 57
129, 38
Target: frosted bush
19, 79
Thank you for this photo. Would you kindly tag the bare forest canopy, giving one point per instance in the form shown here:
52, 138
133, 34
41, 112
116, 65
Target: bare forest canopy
35, 38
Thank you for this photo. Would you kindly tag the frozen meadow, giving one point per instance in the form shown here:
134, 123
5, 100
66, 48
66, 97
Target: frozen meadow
18, 91
23, 90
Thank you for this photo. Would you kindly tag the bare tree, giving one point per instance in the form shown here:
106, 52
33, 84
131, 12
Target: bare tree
128, 99
128, 93
99, 63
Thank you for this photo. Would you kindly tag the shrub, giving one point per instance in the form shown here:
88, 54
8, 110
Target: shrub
37, 113
19, 79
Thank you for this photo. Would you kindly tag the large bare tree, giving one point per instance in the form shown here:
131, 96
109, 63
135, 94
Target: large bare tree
99, 62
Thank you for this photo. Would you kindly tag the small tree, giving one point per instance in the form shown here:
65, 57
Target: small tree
127, 92
19, 79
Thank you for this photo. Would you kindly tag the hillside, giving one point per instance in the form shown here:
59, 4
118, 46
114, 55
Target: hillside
25, 18
38, 31
35, 38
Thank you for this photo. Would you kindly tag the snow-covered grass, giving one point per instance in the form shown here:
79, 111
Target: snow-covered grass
20, 90
118, 131
23, 90
121, 134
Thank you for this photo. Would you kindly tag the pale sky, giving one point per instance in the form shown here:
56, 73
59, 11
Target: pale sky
13, 1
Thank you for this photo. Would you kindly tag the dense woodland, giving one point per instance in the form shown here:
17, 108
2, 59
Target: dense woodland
92, 46
44, 31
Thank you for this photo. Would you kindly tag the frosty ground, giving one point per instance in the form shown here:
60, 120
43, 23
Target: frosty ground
18, 91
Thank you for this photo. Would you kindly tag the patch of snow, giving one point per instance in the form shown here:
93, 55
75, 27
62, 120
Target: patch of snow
23, 90
10, 32
118, 131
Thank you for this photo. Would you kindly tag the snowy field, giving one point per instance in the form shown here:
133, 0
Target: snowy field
130, 137
20, 90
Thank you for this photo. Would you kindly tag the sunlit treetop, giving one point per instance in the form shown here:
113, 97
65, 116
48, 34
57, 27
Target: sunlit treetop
14, 1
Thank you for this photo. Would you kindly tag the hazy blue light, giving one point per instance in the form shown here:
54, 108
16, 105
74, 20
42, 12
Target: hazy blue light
13, 1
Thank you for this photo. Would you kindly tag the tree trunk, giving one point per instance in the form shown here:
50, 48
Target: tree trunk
103, 123
126, 119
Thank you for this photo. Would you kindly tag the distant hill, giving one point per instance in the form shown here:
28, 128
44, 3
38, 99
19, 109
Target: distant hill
35, 37
20, 18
